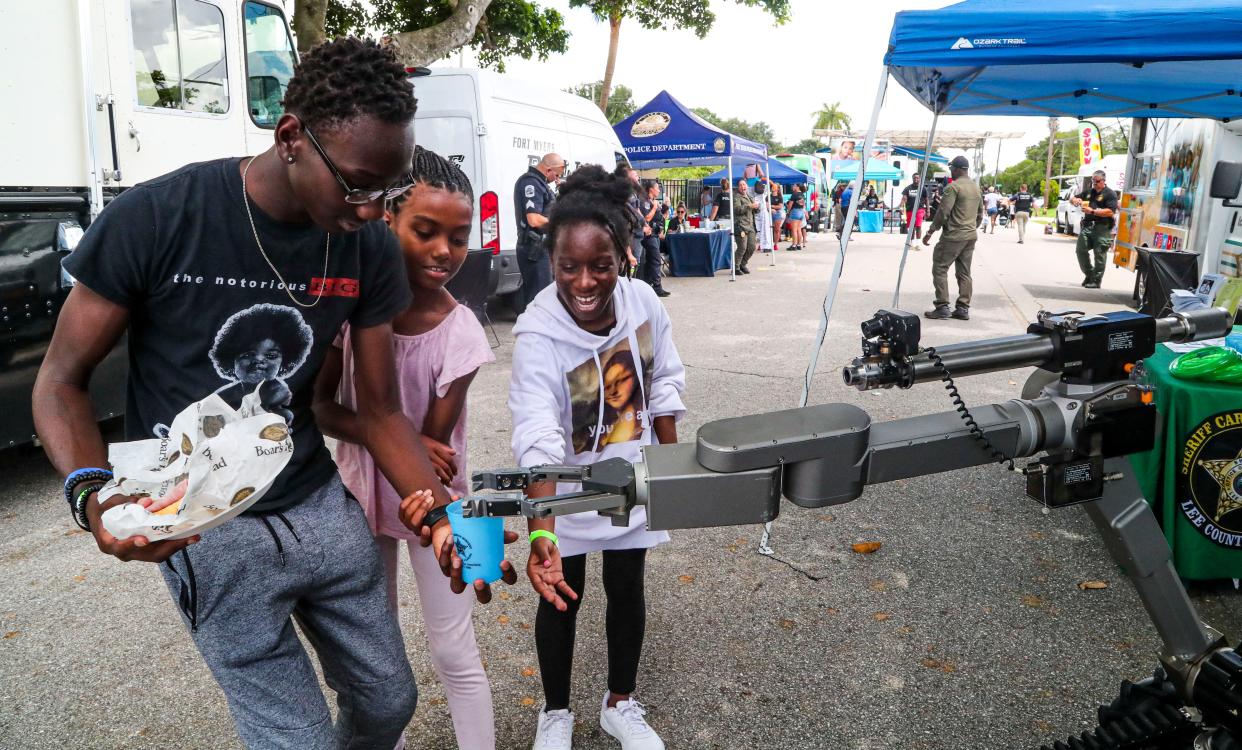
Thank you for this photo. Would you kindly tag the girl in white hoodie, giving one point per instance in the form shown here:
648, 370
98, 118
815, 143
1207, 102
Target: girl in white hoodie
595, 376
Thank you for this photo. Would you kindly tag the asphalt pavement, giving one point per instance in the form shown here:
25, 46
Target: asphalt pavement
967, 628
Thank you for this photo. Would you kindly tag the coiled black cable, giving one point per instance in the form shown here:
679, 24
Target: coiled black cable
964, 412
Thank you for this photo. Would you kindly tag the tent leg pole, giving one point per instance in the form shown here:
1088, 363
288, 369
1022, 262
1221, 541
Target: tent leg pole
830, 295
732, 234
918, 199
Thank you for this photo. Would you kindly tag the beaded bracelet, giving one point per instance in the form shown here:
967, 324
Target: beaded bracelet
78, 476
79, 505
545, 534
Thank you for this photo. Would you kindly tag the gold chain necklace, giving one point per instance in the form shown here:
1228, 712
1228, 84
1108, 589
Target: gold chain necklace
327, 245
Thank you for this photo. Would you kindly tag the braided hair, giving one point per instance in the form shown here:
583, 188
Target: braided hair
433, 170
593, 196
347, 78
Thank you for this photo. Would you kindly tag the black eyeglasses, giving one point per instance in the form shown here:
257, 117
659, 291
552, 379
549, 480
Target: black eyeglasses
358, 196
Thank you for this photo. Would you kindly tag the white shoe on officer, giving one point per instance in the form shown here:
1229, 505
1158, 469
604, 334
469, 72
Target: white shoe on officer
626, 723
556, 730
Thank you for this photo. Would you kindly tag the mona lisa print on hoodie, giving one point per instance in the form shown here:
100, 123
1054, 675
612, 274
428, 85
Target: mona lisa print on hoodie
579, 397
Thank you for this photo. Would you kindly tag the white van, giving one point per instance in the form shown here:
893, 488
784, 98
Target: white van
1069, 216
496, 127
100, 95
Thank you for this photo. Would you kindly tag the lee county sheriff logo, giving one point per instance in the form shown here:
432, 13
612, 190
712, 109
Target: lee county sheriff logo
964, 43
652, 123
1209, 488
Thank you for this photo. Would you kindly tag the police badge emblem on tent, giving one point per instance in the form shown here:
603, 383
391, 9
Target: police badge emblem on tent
1210, 479
652, 123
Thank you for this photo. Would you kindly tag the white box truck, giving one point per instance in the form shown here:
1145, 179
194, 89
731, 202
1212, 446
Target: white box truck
496, 127
99, 95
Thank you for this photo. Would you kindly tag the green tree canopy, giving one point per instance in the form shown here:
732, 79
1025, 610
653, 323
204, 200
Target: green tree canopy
620, 105
804, 146
759, 132
427, 30
695, 15
831, 117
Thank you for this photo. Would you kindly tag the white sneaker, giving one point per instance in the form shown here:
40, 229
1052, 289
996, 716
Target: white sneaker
626, 723
556, 730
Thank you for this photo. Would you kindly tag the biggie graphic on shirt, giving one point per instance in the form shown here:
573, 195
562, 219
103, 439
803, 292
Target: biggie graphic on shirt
259, 347
608, 404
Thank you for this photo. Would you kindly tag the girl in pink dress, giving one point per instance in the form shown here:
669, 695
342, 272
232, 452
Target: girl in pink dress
439, 348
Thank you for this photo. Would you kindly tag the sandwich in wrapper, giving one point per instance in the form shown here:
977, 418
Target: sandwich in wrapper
227, 458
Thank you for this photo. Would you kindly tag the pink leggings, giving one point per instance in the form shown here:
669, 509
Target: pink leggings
450, 641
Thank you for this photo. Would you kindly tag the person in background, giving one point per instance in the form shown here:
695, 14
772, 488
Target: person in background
838, 208
720, 209
705, 206
991, 201
744, 237
639, 227
796, 208
959, 214
847, 195
776, 197
532, 200
679, 222
1099, 206
440, 346
596, 376
763, 216
914, 222
873, 200
653, 259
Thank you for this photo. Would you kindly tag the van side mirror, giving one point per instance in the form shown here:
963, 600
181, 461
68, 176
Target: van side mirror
1227, 182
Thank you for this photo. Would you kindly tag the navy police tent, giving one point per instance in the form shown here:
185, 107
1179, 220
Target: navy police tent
663, 133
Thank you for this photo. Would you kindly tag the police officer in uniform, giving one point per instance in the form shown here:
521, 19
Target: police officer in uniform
1099, 206
532, 202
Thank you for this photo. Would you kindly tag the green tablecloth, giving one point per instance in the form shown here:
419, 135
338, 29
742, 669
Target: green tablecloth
1193, 477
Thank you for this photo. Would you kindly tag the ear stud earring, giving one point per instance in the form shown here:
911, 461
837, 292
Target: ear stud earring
290, 159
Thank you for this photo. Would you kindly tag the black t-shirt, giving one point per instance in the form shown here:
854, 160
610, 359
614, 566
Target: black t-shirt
207, 315
909, 193
873, 202
722, 201
1105, 198
1022, 201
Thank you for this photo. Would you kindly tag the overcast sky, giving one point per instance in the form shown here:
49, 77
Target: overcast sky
748, 68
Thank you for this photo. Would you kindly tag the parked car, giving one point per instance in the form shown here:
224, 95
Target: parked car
100, 96
495, 127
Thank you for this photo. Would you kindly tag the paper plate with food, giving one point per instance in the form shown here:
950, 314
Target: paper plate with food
215, 463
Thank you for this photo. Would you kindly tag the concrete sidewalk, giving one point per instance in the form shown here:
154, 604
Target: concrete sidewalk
967, 628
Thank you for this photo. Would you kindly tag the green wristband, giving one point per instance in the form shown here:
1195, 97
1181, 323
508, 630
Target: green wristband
544, 533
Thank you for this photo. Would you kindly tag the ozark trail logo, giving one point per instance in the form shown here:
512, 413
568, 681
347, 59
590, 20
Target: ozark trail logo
962, 43
992, 41
652, 123
1210, 478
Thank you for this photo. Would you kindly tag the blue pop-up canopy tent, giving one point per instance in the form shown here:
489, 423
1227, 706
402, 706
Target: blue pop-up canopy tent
775, 171
914, 153
1061, 58
664, 133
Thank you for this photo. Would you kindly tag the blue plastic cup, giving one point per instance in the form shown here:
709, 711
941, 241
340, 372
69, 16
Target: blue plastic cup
480, 544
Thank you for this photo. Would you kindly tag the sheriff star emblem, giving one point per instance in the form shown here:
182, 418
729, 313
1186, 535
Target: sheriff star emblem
1228, 474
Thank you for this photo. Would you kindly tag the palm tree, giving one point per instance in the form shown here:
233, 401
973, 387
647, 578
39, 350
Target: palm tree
831, 117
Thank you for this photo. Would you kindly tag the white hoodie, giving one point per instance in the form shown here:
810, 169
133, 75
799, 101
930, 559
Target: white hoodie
578, 398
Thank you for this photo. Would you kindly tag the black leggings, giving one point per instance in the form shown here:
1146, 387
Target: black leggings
625, 622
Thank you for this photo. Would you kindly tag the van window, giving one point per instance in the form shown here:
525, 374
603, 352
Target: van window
179, 56
269, 62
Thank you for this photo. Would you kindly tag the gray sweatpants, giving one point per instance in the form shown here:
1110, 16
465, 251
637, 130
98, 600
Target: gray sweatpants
317, 562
